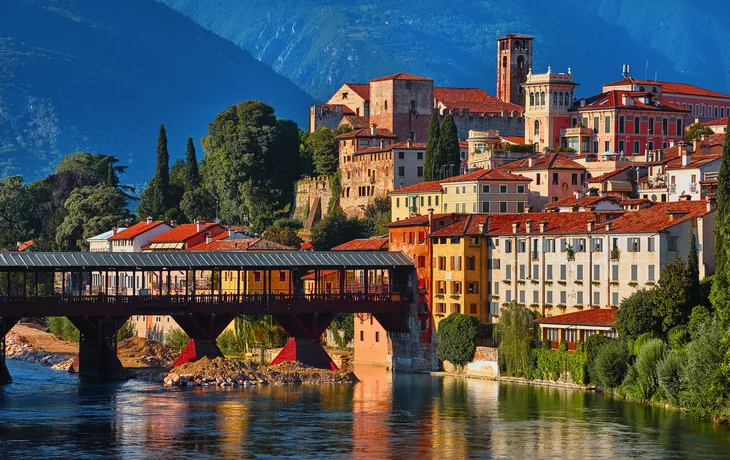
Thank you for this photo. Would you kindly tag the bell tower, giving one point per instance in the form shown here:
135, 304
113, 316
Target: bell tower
514, 59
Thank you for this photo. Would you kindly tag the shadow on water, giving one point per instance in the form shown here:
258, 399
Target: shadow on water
51, 414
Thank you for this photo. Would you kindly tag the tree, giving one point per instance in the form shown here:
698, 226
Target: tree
344, 322
695, 290
673, 297
378, 212
434, 130
720, 293
286, 236
705, 380
647, 361
696, 131
155, 199
16, 211
636, 315
669, 373
192, 173
176, 338
609, 367
456, 338
324, 147
449, 153
334, 229
198, 204
90, 210
251, 163
514, 332
178, 185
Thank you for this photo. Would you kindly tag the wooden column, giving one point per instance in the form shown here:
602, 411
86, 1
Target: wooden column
342, 274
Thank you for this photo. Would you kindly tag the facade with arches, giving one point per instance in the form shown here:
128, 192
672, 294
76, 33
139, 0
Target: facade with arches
548, 98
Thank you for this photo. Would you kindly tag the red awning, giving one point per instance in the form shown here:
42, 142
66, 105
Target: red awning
421, 284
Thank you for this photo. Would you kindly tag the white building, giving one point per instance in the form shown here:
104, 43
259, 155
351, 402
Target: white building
101, 243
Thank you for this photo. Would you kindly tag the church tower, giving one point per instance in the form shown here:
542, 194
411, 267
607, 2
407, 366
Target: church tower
514, 59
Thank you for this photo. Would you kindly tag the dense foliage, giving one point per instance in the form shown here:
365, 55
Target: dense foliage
720, 294
514, 332
609, 367
176, 338
431, 156
343, 329
456, 338
636, 315
336, 228
696, 131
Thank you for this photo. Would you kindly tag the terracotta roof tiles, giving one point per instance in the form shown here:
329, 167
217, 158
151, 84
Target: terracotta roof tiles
136, 230
543, 161
184, 232
365, 132
361, 89
364, 244
430, 186
487, 174
608, 175
590, 317
671, 87
402, 76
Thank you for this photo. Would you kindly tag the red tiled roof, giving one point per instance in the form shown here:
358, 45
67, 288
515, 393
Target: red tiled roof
463, 145
245, 244
670, 87
515, 36
716, 139
608, 175
306, 246
614, 99
487, 174
582, 202
431, 186
136, 230
423, 220
25, 245
635, 201
543, 161
475, 100
590, 317
398, 145
365, 132
402, 76
717, 122
364, 244
695, 161
184, 232
361, 89
356, 122
513, 139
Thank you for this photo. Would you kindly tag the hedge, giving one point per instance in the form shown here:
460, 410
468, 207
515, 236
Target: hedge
554, 364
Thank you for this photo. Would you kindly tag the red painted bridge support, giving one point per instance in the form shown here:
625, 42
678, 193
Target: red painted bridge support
203, 331
304, 344
5, 325
98, 346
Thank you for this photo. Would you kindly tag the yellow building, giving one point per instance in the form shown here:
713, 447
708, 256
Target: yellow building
416, 199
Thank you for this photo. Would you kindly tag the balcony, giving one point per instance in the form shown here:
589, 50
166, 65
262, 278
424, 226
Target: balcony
693, 187
672, 188
576, 131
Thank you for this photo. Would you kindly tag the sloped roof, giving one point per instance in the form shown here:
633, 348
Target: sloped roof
430, 186
543, 161
345, 109
608, 175
614, 99
136, 230
487, 174
365, 132
716, 122
695, 161
184, 232
402, 76
582, 202
361, 89
364, 244
248, 244
104, 236
671, 87
589, 317
398, 145
356, 122
475, 100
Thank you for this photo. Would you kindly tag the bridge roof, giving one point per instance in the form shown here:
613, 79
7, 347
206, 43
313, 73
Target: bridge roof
202, 260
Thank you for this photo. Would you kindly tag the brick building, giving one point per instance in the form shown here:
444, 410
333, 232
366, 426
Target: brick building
514, 60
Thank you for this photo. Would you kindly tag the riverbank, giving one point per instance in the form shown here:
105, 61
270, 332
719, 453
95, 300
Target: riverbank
518, 380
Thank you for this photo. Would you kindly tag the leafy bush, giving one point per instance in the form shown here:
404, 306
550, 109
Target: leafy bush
286, 222
456, 339
678, 337
546, 345
591, 347
637, 315
642, 339
176, 338
669, 372
556, 365
63, 328
521, 148
126, 331
629, 387
227, 342
609, 367
563, 346
700, 314
704, 381
647, 359
344, 322
514, 333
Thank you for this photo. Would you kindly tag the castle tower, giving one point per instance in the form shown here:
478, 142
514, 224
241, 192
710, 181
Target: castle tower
402, 103
514, 59
548, 98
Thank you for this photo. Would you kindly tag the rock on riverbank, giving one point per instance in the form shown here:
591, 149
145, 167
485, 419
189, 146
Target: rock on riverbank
231, 372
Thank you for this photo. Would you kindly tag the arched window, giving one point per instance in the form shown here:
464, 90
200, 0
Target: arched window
532, 99
504, 61
555, 98
542, 98
560, 99
537, 127
520, 62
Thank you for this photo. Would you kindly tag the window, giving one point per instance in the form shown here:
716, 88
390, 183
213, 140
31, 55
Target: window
441, 287
401, 155
634, 245
485, 206
455, 307
596, 298
651, 244
621, 125
607, 125
574, 179
555, 178
650, 274
537, 181
620, 146
397, 202
597, 244
503, 207
508, 272
520, 189
597, 272
377, 333
440, 308
282, 276
473, 287
520, 207
542, 98
672, 243
563, 270
651, 126
421, 261
535, 271
579, 297
522, 296
579, 272
549, 297
535, 297
456, 287
548, 272
362, 336
257, 277
522, 272
508, 246
665, 126
562, 297
401, 171
634, 273
502, 189
471, 263
548, 246
495, 291
457, 189
442, 263
473, 308
419, 155
637, 125
485, 188
555, 98
521, 246
606, 146
614, 272
419, 171
637, 147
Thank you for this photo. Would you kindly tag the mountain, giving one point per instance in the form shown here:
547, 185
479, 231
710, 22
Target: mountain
319, 44
102, 76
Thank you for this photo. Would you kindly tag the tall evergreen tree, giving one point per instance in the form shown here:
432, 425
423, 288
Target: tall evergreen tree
720, 294
154, 200
434, 130
449, 154
110, 182
694, 272
192, 173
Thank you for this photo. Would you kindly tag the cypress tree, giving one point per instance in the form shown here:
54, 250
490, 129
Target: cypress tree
719, 295
693, 267
449, 155
110, 176
162, 173
192, 174
434, 130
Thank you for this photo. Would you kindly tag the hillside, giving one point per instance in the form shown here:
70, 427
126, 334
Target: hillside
102, 76
319, 44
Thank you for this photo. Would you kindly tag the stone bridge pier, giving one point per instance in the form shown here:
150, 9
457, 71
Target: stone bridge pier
5, 325
98, 347
203, 331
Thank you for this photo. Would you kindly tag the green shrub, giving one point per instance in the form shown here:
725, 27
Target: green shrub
126, 331
63, 328
704, 381
609, 366
546, 345
678, 337
456, 339
700, 314
286, 222
563, 346
647, 360
642, 339
176, 338
669, 373
514, 332
556, 365
637, 315
344, 322
227, 342
592, 346
629, 387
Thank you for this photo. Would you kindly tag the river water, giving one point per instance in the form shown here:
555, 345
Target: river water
49, 414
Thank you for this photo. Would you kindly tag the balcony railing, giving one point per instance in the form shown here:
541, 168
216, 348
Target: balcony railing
693, 187
672, 188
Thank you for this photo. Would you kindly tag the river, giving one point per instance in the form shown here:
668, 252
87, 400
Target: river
49, 414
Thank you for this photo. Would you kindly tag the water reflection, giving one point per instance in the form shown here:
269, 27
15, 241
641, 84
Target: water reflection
51, 414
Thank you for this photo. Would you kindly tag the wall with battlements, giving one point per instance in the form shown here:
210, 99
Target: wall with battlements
309, 190
508, 123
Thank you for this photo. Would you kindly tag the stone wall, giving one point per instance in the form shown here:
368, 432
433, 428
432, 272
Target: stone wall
308, 190
484, 364
407, 353
325, 116
508, 123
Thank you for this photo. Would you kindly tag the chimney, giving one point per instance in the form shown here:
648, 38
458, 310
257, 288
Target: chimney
149, 220
208, 238
696, 146
626, 100
374, 129
430, 220
578, 194
484, 228
231, 232
409, 142
528, 226
684, 197
685, 157
590, 225
672, 143
114, 231
543, 226
582, 102
173, 223
711, 203
515, 227
608, 226
531, 162
199, 226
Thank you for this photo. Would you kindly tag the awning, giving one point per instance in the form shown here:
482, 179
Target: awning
619, 186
